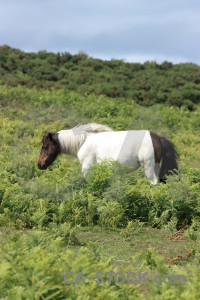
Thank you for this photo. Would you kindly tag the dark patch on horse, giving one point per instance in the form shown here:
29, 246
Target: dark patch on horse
157, 145
164, 150
169, 157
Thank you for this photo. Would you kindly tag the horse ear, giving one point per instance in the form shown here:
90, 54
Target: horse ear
53, 137
50, 136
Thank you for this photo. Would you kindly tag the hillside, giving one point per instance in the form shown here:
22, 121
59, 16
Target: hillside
146, 84
56, 221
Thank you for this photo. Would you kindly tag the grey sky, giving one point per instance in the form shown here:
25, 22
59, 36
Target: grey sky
137, 30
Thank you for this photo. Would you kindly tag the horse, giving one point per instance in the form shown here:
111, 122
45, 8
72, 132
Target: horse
96, 142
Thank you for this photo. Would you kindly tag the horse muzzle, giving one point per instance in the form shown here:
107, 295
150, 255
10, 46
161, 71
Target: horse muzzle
41, 166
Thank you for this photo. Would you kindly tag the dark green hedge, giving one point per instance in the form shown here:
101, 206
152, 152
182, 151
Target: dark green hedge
147, 83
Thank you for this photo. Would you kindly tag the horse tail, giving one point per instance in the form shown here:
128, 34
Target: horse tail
169, 159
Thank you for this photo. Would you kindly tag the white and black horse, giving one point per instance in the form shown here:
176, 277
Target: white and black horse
95, 142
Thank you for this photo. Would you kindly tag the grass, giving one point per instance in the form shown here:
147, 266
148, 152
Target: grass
111, 243
126, 253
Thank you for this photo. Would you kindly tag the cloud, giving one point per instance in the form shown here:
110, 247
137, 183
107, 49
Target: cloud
107, 28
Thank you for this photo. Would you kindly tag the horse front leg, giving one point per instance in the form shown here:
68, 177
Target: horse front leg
85, 170
86, 158
86, 165
86, 162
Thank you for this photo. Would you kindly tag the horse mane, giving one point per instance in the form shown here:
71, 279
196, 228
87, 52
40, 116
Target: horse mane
91, 128
72, 139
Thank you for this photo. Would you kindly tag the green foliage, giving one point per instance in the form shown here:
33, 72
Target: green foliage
132, 228
99, 178
110, 214
33, 267
147, 83
110, 195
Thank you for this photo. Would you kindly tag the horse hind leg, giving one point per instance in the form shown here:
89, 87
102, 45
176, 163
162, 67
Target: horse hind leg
157, 169
149, 170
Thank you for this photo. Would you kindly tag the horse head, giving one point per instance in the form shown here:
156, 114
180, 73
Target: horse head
49, 151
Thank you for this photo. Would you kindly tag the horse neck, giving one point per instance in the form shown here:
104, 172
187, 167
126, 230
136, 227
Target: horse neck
70, 143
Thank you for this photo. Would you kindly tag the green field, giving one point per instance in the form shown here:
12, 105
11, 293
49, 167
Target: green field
57, 221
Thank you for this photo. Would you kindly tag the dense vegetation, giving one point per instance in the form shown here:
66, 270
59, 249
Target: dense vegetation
56, 221
147, 83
